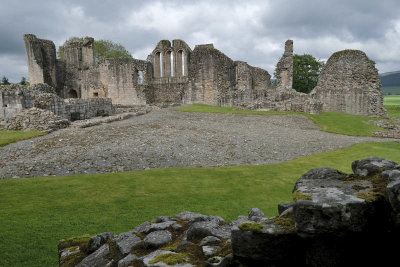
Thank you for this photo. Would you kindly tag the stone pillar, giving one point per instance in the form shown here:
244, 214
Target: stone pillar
284, 68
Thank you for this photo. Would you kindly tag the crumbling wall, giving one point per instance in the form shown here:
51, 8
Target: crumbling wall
41, 60
126, 81
16, 99
349, 83
211, 77
284, 68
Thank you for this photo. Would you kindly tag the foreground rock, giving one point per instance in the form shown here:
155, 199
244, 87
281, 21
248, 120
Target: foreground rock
335, 219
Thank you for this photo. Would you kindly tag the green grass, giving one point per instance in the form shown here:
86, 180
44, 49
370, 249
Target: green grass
392, 104
231, 110
393, 90
332, 122
7, 137
36, 213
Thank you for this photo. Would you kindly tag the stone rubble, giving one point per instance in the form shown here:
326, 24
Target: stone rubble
335, 219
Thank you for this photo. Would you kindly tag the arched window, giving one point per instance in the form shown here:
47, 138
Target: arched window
158, 65
172, 65
139, 77
168, 64
180, 63
183, 63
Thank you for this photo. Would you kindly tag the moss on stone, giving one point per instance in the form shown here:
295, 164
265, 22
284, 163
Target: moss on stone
251, 226
297, 195
224, 249
285, 222
172, 245
80, 241
170, 258
368, 196
378, 186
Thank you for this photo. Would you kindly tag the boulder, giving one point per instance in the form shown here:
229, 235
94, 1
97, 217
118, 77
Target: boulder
128, 260
199, 230
328, 201
97, 258
256, 212
267, 243
157, 239
126, 241
371, 166
209, 240
154, 259
284, 206
98, 240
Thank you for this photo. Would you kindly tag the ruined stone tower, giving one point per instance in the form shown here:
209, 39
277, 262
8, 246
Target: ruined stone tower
350, 83
284, 68
41, 59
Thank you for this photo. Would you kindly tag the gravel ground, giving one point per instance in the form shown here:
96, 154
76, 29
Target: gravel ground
166, 138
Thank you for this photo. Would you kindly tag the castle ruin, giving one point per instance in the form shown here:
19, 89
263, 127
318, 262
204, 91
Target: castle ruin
174, 73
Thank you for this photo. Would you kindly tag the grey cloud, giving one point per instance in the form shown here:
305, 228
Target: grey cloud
252, 31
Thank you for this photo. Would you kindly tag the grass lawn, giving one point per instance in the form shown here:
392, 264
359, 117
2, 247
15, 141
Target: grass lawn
332, 122
392, 104
35, 213
7, 137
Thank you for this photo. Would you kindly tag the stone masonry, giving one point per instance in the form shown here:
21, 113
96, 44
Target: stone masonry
15, 99
349, 83
172, 73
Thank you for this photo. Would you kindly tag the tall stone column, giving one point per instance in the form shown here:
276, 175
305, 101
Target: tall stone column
284, 68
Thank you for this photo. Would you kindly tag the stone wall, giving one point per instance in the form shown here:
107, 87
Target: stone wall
41, 59
349, 83
126, 81
16, 99
211, 77
173, 73
335, 219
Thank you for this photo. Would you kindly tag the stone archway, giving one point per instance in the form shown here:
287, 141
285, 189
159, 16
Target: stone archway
72, 94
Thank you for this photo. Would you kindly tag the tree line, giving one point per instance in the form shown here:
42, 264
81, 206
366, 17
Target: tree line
4, 81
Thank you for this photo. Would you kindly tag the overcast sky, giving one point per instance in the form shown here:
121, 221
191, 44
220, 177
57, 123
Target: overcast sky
251, 31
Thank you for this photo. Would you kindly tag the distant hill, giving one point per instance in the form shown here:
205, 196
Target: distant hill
390, 78
390, 82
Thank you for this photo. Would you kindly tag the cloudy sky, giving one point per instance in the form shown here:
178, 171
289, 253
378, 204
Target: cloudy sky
252, 31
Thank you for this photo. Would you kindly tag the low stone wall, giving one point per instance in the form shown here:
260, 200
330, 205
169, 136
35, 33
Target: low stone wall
16, 100
335, 219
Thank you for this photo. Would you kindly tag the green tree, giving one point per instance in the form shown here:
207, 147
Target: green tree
23, 81
102, 49
4, 81
306, 70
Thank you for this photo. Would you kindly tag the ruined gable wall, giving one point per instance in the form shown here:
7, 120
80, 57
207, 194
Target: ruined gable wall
211, 77
252, 83
349, 83
41, 60
119, 78
170, 73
